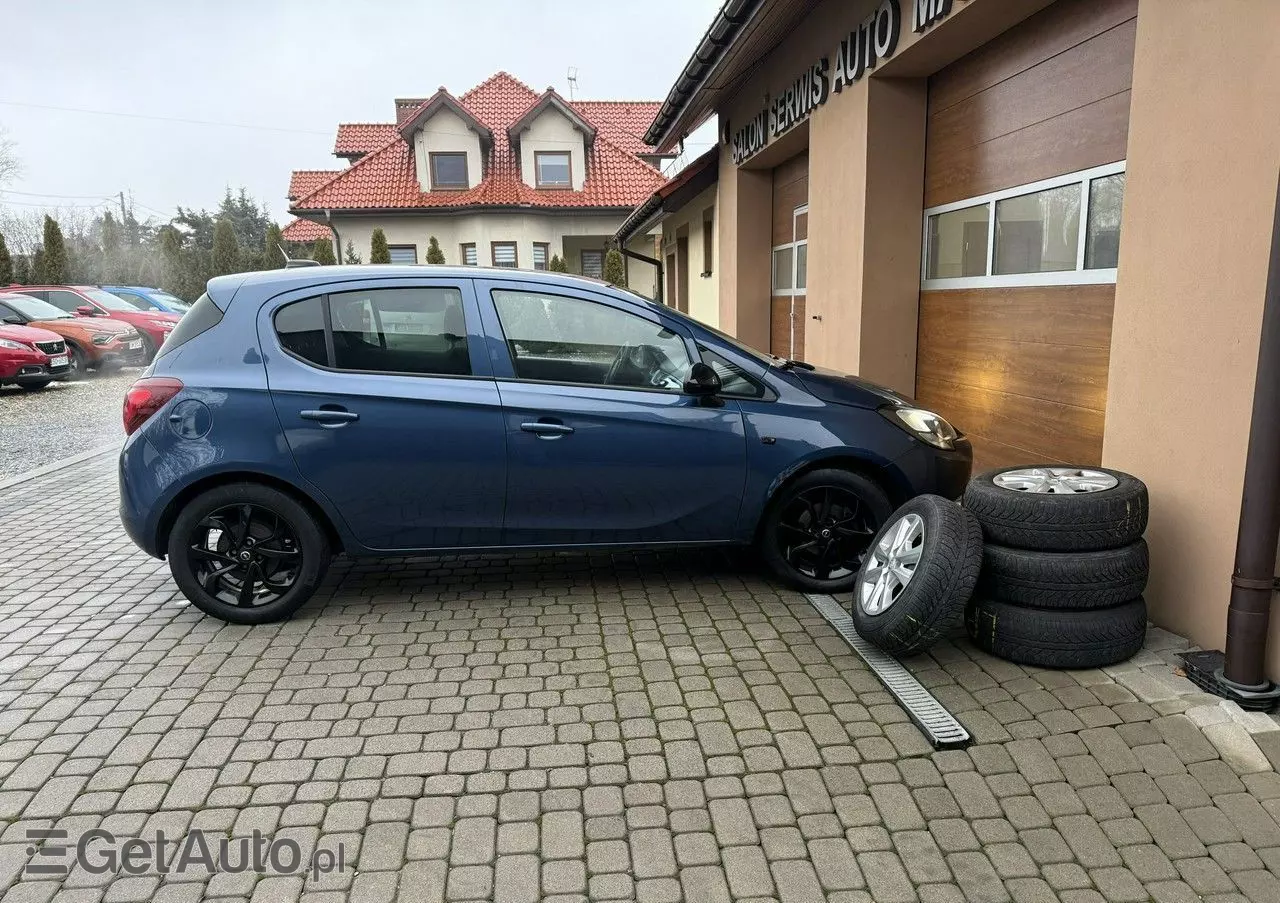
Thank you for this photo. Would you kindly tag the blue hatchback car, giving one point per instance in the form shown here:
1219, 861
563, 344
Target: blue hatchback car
385, 410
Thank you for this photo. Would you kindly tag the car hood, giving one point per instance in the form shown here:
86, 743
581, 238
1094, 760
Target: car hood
85, 326
841, 388
28, 334
140, 317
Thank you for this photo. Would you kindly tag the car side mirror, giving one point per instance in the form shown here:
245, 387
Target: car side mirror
85, 310
13, 321
702, 382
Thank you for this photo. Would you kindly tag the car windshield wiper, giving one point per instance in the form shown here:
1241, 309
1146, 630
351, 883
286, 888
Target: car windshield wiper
783, 363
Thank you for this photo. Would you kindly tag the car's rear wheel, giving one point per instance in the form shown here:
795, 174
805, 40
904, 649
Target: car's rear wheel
816, 532
247, 553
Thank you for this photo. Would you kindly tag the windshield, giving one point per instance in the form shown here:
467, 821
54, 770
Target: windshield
107, 300
34, 308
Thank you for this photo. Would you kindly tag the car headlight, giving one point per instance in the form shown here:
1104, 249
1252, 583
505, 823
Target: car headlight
102, 338
160, 324
16, 346
924, 425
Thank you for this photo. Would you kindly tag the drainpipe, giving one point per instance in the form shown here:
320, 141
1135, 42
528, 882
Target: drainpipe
337, 239
649, 260
1254, 581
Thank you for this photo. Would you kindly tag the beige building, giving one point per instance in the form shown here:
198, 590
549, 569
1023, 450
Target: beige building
501, 175
1049, 221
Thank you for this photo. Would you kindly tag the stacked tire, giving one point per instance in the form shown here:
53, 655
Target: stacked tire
1064, 565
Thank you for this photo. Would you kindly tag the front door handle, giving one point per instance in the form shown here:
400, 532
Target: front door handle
329, 416
546, 430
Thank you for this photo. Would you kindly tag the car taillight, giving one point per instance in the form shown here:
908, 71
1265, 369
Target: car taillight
145, 397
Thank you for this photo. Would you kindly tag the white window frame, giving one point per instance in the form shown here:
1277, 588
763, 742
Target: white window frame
1078, 276
792, 292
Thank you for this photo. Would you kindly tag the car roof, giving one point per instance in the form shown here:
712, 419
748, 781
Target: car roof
221, 288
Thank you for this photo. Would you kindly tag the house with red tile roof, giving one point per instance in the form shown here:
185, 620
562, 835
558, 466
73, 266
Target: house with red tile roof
500, 175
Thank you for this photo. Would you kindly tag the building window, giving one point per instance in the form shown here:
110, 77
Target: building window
1059, 231
403, 253
551, 169
468, 255
708, 239
449, 170
504, 254
421, 331
784, 273
540, 255
593, 264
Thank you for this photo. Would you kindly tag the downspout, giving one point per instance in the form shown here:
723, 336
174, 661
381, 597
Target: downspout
337, 239
1253, 583
635, 255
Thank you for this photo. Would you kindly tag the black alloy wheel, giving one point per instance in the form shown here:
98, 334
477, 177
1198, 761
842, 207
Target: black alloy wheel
818, 532
245, 555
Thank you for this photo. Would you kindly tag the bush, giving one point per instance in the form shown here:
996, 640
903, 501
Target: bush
557, 265
615, 268
322, 252
378, 250
6, 263
21, 270
434, 254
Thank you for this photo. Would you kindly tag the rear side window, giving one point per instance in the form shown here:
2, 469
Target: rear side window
203, 316
419, 331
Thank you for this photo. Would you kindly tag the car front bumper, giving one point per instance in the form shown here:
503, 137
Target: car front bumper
937, 471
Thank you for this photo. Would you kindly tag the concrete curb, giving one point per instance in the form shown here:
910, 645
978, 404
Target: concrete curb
57, 465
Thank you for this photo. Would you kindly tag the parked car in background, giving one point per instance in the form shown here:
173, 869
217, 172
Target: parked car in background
31, 358
92, 343
145, 298
384, 410
90, 301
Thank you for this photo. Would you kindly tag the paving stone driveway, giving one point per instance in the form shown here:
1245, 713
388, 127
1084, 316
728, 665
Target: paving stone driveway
563, 728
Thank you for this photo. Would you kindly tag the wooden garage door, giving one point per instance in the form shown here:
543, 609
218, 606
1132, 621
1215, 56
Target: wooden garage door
1023, 370
786, 312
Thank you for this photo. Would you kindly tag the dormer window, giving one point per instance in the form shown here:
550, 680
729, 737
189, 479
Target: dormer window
449, 171
552, 169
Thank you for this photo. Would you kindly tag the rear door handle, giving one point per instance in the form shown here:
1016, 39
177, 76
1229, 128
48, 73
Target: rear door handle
325, 415
546, 430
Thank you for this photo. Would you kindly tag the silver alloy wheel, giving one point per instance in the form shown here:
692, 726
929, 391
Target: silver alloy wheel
891, 564
1055, 480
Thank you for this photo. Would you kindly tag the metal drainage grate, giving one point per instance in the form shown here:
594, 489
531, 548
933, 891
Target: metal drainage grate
939, 725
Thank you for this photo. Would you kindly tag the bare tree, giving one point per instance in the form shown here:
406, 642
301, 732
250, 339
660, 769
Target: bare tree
9, 165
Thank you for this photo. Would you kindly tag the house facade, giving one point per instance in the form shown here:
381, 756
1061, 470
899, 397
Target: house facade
500, 175
1049, 220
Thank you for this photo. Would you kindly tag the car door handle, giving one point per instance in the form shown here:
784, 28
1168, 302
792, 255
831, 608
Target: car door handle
546, 430
325, 415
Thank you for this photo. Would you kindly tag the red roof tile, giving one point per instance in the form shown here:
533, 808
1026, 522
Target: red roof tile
362, 137
385, 177
303, 230
304, 181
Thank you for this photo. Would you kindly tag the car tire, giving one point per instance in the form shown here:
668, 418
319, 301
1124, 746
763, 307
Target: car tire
1054, 638
946, 544
1084, 521
1069, 580
778, 539
307, 538
35, 386
148, 348
79, 364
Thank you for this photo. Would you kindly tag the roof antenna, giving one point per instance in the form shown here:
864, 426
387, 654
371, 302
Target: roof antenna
572, 78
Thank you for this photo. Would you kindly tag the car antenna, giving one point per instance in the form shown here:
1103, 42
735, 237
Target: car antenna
292, 263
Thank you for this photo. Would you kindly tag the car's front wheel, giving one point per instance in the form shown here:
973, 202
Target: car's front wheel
247, 553
817, 531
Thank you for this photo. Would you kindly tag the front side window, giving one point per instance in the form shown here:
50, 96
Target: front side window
138, 301
553, 338
469, 255
552, 169
403, 253
593, 264
449, 170
69, 301
504, 254
420, 331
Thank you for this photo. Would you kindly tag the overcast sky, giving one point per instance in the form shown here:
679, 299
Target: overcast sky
293, 69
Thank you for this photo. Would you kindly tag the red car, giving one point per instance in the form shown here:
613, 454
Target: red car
31, 357
91, 301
